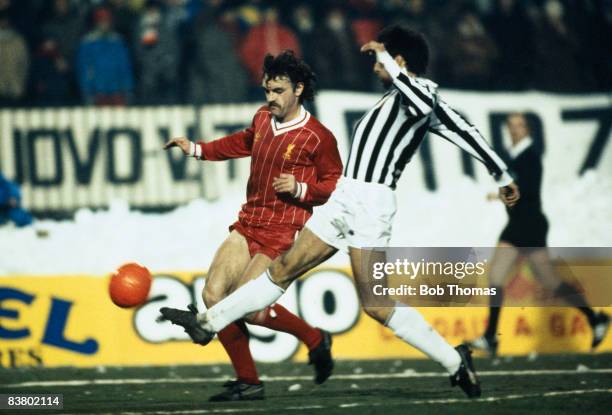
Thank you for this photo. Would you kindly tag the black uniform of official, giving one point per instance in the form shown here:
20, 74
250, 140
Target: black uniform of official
527, 226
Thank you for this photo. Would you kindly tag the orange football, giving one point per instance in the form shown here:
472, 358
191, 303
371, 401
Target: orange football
129, 285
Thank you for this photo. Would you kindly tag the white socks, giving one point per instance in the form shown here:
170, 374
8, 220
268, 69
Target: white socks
409, 325
253, 296
406, 322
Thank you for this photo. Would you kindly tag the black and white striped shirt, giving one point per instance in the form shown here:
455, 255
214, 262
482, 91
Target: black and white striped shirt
388, 135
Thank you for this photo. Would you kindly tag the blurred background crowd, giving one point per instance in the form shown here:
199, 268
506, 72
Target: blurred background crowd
144, 52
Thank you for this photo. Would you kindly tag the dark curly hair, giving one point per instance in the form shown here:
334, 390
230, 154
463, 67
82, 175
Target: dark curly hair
410, 44
289, 65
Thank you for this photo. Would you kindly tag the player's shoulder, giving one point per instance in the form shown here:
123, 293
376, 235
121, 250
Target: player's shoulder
317, 128
263, 109
262, 113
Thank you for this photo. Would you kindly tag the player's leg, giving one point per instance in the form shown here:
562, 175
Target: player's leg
504, 259
379, 307
277, 317
405, 321
307, 252
410, 326
544, 271
228, 265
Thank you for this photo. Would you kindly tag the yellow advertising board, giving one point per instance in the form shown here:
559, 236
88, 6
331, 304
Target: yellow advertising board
70, 320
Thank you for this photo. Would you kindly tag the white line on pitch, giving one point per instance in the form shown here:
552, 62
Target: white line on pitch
362, 376
376, 404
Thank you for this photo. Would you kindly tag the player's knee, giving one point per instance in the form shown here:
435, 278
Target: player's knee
281, 265
212, 294
280, 272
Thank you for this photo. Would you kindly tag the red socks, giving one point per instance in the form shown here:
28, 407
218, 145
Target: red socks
277, 317
235, 340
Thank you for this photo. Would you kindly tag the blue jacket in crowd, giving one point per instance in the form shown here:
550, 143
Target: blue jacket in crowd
103, 65
9, 190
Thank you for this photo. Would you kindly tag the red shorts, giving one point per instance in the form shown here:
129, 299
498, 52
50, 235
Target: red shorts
270, 240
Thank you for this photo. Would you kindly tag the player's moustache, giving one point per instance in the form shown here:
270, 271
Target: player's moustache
272, 105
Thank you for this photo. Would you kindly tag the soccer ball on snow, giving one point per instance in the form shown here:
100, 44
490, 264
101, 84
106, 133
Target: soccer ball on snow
129, 285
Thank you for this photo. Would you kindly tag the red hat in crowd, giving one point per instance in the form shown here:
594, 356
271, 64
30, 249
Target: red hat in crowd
102, 15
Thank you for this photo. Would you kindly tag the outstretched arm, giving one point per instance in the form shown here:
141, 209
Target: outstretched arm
450, 125
233, 146
230, 147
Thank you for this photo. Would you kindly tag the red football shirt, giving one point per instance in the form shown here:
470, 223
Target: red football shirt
302, 147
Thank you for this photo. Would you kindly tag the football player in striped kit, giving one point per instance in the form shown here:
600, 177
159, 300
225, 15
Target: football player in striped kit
360, 211
295, 165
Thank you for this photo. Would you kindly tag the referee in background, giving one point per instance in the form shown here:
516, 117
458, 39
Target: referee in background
525, 236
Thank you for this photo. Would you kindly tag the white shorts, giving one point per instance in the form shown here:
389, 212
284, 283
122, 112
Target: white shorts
357, 214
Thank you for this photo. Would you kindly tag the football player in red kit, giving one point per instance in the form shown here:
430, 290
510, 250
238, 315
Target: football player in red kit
294, 166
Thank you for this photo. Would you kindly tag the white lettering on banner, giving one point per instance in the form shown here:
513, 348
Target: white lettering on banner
326, 299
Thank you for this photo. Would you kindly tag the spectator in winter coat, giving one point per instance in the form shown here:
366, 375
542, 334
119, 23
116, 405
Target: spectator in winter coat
14, 62
268, 37
157, 51
215, 78
103, 66
50, 75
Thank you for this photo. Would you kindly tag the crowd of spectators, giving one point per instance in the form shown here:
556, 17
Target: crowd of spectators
143, 52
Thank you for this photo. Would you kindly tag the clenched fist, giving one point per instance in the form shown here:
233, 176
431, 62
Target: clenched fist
286, 183
509, 194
